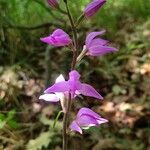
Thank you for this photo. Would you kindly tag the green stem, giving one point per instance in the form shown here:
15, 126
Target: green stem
80, 19
75, 53
75, 40
72, 26
65, 137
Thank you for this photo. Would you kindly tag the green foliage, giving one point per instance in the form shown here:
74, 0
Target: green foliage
2, 121
9, 119
45, 139
118, 90
40, 142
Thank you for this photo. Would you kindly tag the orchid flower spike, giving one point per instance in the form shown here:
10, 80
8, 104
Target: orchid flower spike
57, 38
53, 3
92, 8
74, 86
57, 96
85, 119
97, 46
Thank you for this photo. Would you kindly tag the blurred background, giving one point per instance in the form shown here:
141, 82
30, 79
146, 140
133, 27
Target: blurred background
27, 66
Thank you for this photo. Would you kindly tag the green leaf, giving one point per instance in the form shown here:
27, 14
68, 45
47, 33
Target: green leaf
11, 114
57, 117
13, 124
2, 124
2, 117
2, 120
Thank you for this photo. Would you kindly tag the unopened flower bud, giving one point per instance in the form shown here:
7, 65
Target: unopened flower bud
53, 3
92, 8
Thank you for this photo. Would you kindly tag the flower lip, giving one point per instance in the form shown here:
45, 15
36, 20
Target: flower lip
49, 97
56, 96
87, 120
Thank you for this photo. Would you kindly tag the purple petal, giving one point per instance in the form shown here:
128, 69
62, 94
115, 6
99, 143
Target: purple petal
47, 40
61, 41
87, 121
49, 97
58, 87
100, 50
74, 86
74, 75
61, 37
59, 32
57, 38
88, 90
74, 82
84, 111
91, 36
75, 127
86, 117
93, 7
97, 42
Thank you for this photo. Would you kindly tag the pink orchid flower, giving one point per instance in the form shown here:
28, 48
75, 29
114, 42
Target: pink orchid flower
97, 46
85, 119
92, 8
57, 38
74, 86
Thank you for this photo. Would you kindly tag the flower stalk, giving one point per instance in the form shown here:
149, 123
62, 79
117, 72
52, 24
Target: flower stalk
82, 54
64, 91
73, 64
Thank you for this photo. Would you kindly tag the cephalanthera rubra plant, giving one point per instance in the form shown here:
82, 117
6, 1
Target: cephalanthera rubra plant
67, 90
